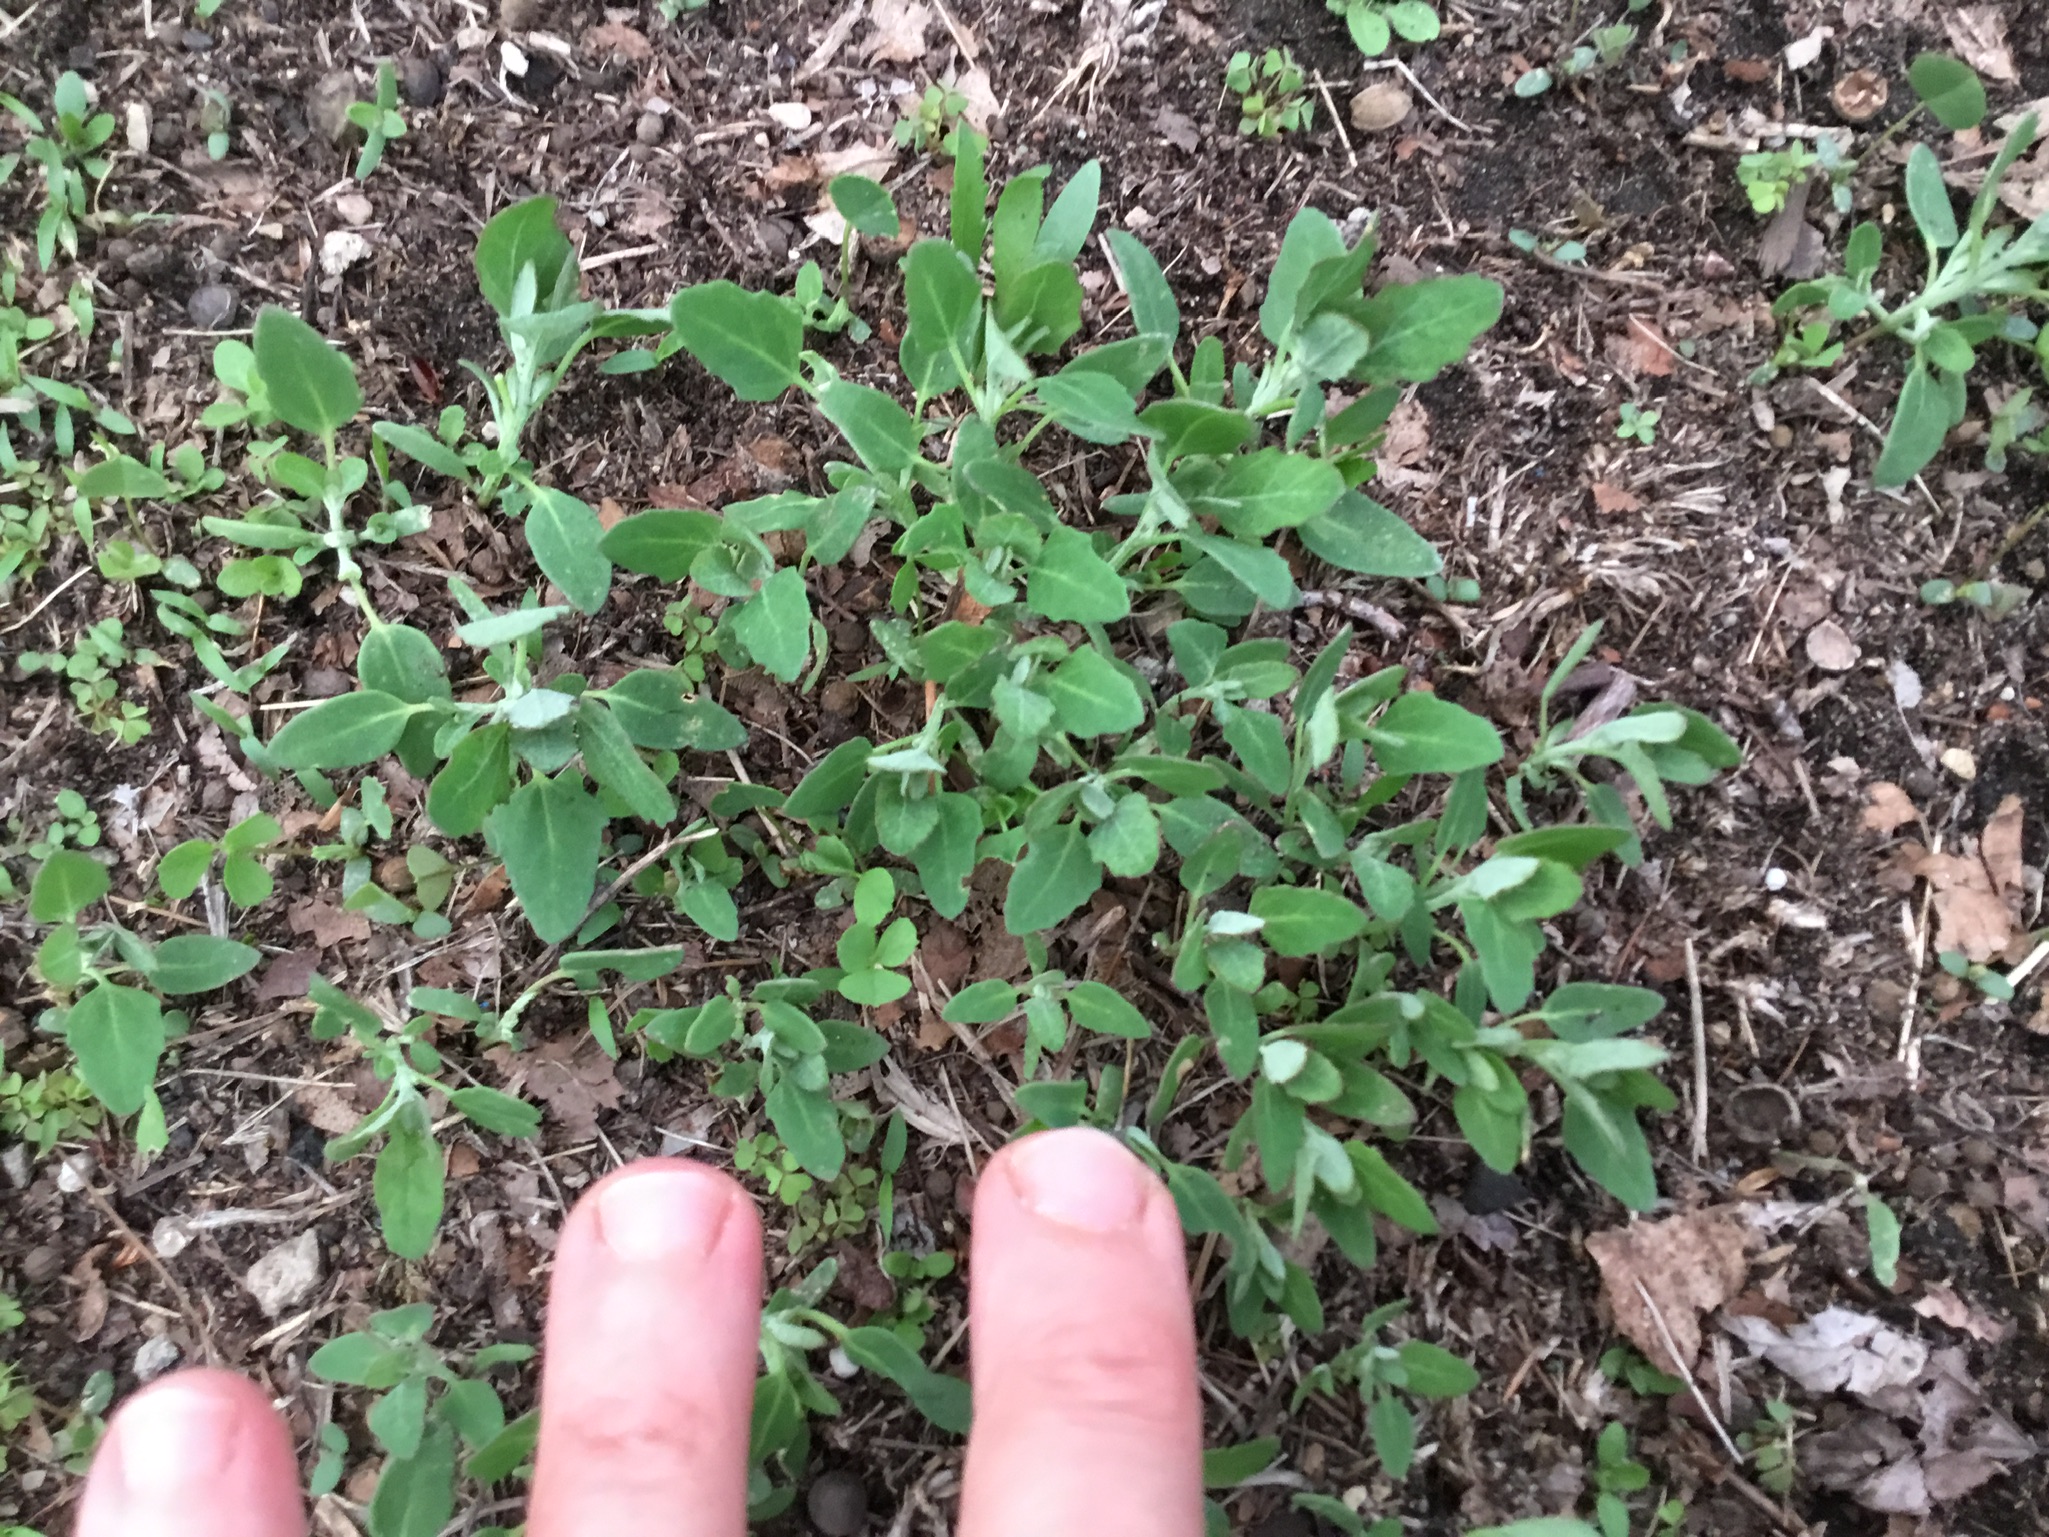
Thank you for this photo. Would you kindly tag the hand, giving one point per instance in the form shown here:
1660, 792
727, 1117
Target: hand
1087, 1416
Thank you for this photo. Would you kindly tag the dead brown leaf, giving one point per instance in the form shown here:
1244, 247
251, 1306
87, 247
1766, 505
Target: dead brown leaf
328, 924
1641, 348
1979, 33
92, 1296
2000, 847
900, 27
573, 1078
1748, 71
1944, 1304
1612, 498
618, 40
329, 1106
1887, 807
1689, 1265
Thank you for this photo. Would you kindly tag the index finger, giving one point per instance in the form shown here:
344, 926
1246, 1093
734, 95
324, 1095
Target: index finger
1088, 1418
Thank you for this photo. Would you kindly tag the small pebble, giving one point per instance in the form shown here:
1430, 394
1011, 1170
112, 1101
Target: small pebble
1981, 1193
1761, 1113
419, 82
287, 1275
1823, 1143
519, 15
166, 134
212, 307
16, 1162
1979, 1153
269, 12
1381, 106
157, 1356
197, 41
40, 1264
74, 1172
1926, 1184
649, 129
83, 58
328, 103
1491, 1191
837, 1504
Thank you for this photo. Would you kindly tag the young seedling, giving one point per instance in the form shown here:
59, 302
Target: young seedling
1996, 600
1383, 1376
68, 156
431, 1406
216, 117
1602, 50
89, 669
380, 121
1638, 422
1374, 24
1980, 284
1271, 91
930, 122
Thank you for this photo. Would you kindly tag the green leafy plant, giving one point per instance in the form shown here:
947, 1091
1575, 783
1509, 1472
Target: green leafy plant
1383, 1376
409, 1185
73, 823
1980, 284
788, 1392
1617, 1475
1996, 600
931, 121
1272, 93
89, 672
431, 1407
68, 152
1769, 1444
118, 1030
52, 1107
244, 876
869, 952
1601, 50
216, 119
1621, 1364
1374, 24
1769, 176
1638, 422
818, 1210
33, 402
379, 119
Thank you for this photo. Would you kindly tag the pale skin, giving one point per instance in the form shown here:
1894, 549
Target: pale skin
1088, 1421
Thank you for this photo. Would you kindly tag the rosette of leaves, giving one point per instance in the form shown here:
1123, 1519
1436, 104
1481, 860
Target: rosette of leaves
1384, 1375
118, 1029
792, 1062
243, 875
430, 1407
541, 770
408, 1184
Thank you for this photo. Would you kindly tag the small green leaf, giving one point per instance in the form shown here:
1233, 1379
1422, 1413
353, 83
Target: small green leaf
1092, 696
1127, 842
1422, 734
524, 235
1434, 1372
1056, 875
943, 305
882, 433
1261, 493
982, 1003
1071, 583
66, 884
1305, 920
775, 624
567, 538
1950, 89
475, 780
750, 340
342, 732
1420, 329
1358, 534
865, 204
610, 758
416, 1496
662, 542
809, 1125
1106, 1011
199, 963
1928, 198
550, 834
117, 1034
941, 1399
181, 870
1920, 423
408, 1184
496, 1111
1226, 1467
312, 387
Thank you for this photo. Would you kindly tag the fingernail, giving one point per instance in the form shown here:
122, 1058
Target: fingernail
174, 1441
1080, 1178
663, 1213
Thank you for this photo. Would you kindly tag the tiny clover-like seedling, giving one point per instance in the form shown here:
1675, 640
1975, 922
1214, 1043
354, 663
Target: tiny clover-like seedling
788, 1392
1980, 286
1996, 600
54, 1106
1375, 24
216, 117
930, 122
1769, 1443
1604, 48
408, 1183
244, 876
1383, 1375
817, 1211
1769, 176
1639, 423
1047, 1002
431, 1407
795, 1057
1273, 98
90, 673
1617, 1475
118, 1029
72, 823
379, 119
868, 952
428, 877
